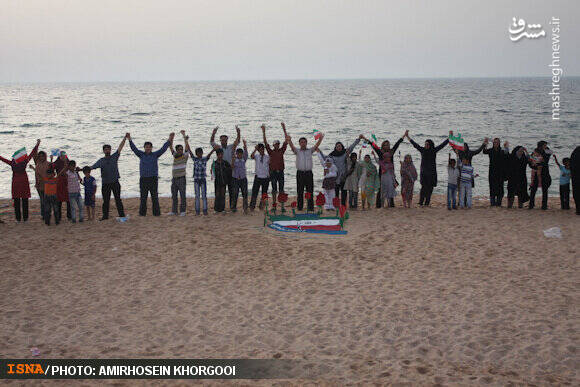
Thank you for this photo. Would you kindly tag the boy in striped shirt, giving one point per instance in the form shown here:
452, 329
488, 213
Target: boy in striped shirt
178, 181
465, 183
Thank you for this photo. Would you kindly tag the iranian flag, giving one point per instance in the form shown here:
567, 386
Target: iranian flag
456, 142
19, 155
316, 134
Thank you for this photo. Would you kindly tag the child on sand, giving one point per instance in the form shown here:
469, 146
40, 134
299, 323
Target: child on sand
329, 181
51, 203
352, 176
90, 184
74, 191
452, 180
408, 178
466, 183
564, 182
370, 182
239, 178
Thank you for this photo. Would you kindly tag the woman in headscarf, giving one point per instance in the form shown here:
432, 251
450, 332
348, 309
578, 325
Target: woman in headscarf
370, 181
575, 174
339, 156
20, 184
381, 152
498, 163
408, 178
546, 179
388, 182
517, 179
428, 174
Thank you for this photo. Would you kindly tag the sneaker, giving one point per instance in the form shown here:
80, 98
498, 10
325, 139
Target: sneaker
205, 212
182, 214
171, 213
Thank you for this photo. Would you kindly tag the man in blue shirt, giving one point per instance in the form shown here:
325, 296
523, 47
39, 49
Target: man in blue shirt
148, 172
109, 166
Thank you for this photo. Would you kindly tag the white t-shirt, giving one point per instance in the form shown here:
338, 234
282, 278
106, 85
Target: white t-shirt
262, 165
304, 159
452, 175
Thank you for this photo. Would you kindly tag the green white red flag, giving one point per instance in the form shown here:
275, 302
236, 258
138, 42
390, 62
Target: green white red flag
19, 155
456, 142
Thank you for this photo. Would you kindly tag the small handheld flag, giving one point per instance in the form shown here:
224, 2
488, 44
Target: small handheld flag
54, 152
19, 155
456, 142
374, 142
316, 134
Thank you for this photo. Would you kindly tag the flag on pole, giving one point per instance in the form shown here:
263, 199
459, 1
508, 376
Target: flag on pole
19, 155
374, 142
456, 142
316, 134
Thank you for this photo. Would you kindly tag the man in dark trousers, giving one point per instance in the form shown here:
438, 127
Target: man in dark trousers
109, 166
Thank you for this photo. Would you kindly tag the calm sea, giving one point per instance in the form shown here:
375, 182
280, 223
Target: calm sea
80, 118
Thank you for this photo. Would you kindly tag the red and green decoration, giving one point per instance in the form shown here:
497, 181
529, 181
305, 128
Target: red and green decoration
311, 222
282, 198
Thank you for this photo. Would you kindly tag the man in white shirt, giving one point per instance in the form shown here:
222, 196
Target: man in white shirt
261, 176
304, 176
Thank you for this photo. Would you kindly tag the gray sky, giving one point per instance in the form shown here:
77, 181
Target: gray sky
146, 40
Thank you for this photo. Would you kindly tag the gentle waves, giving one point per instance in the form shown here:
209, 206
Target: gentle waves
80, 118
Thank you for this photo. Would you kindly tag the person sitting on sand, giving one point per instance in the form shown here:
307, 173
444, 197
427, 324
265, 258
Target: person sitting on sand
228, 152
148, 173
20, 184
408, 178
199, 176
304, 176
178, 180
222, 179
276, 153
239, 178
428, 174
109, 166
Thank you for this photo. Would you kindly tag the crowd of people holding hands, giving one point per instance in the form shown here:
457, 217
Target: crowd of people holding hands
346, 175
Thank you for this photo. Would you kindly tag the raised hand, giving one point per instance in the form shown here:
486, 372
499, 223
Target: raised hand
263, 127
406, 134
171, 135
215, 130
283, 125
182, 133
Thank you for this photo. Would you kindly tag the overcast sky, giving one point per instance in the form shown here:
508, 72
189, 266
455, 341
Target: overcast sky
147, 40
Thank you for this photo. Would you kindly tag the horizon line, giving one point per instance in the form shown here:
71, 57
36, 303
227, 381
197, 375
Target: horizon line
288, 79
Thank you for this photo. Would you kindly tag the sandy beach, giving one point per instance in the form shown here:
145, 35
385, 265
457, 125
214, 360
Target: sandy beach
416, 296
